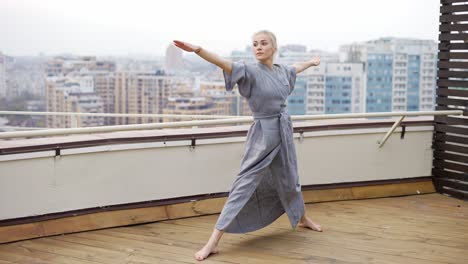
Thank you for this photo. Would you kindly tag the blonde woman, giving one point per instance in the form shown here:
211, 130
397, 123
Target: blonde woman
267, 185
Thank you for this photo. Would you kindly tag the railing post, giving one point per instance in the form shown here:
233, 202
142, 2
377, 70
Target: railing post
397, 123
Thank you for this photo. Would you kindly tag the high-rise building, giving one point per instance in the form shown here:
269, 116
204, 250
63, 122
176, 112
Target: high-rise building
321, 89
297, 100
401, 73
67, 94
316, 89
84, 102
334, 88
104, 86
344, 88
144, 93
94, 77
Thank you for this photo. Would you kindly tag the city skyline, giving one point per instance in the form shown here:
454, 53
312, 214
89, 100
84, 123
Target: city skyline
142, 27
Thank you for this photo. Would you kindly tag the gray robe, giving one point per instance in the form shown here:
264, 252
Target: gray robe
268, 183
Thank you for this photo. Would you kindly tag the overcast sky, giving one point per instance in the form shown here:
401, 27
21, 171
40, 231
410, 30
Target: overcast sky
123, 27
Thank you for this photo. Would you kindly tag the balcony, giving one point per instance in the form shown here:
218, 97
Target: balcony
153, 196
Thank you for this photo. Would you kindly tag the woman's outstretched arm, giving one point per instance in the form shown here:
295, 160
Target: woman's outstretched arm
224, 64
302, 66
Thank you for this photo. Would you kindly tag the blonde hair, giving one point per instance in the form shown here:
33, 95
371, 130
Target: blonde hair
270, 35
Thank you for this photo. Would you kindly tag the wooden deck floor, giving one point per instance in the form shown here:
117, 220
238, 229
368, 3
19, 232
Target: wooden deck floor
429, 228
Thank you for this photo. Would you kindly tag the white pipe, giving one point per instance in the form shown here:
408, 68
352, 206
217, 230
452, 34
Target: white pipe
379, 114
397, 123
118, 115
86, 130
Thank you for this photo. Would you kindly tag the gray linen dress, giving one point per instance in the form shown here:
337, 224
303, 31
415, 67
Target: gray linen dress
268, 183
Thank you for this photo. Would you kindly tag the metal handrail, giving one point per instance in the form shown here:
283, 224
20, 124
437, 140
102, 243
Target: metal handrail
116, 115
87, 130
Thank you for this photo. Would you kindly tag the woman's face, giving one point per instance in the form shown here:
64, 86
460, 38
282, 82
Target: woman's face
262, 47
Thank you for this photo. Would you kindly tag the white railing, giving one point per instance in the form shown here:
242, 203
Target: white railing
221, 120
75, 114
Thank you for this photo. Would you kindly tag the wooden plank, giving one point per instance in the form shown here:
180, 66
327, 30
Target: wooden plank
443, 107
444, 46
451, 101
452, 36
392, 190
452, 65
451, 83
450, 174
453, 27
440, 164
450, 156
450, 138
453, 55
24, 255
452, 92
453, 18
454, 74
81, 223
451, 129
454, 184
453, 8
339, 194
448, 2
449, 147
208, 206
449, 120
455, 193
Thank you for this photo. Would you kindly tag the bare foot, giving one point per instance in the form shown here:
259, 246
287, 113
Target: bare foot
308, 223
205, 252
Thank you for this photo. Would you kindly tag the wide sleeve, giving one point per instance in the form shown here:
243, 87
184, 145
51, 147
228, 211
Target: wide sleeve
239, 76
291, 76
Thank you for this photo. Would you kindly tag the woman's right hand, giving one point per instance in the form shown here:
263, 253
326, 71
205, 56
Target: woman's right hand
187, 46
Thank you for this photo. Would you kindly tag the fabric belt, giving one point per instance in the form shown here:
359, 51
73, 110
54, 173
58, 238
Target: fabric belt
287, 144
282, 112
286, 131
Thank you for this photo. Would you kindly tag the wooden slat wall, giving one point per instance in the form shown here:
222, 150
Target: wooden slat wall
451, 133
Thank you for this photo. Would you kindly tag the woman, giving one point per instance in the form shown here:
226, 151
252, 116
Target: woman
267, 185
